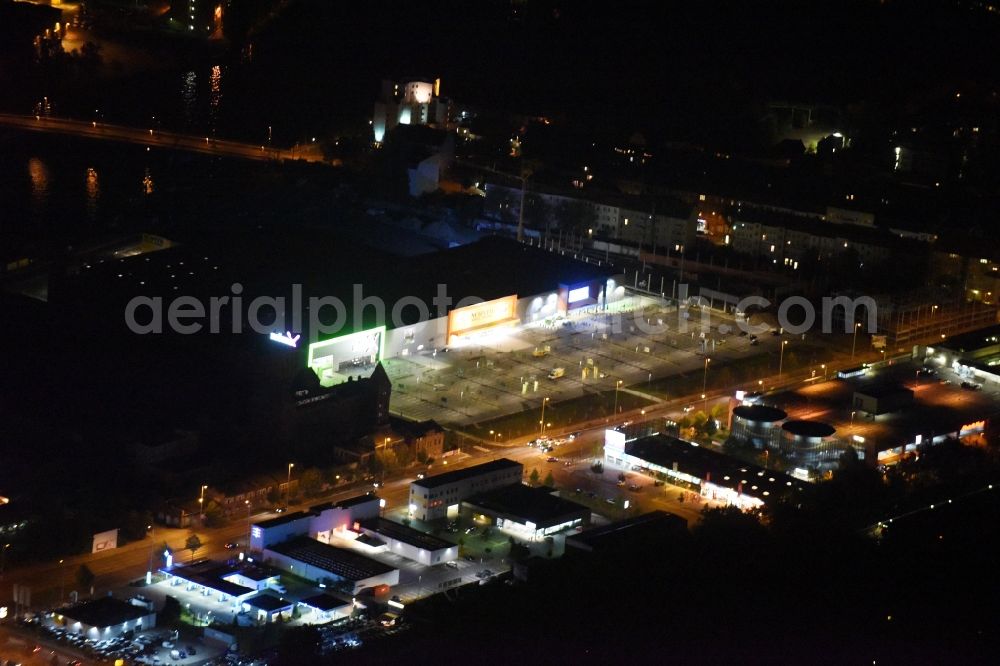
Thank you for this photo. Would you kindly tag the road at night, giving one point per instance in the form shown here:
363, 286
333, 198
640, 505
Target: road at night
161, 139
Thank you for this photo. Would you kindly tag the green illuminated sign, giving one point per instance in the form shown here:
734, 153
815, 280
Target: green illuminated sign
328, 357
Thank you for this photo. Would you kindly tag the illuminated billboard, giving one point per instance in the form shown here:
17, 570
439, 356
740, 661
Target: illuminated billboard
482, 316
578, 294
351, 355
105, 541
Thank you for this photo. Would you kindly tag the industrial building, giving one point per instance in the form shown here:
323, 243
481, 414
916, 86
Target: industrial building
974, 355
526, 513
882, 398
222, 582
320, 522
266, 608
325, 607
884, 415
439, 496
329, 565
714, 475
105, 617
410, 543
622, 536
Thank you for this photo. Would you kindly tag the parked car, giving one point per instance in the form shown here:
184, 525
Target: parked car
971, 386
552, 459
232, 545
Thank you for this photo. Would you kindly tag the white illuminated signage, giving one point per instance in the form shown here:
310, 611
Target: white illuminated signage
579, 294
286, 339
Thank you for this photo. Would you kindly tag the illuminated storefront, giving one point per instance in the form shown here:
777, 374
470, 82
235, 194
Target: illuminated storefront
578, 296
353, 355
476, 319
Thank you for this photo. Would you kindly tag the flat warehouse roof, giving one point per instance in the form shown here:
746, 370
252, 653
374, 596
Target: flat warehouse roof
281, 520
105, 612
535, 505
268, 602
622, 532
267, 263
355, 501
325, 602
666, 451
439, 480
213, 575
408, 535
347, 564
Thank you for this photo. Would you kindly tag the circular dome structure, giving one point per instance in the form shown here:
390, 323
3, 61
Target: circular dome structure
810, 444
759, 413
808, 429
756, 425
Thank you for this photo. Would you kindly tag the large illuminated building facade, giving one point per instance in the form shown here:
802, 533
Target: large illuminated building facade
296, 385
409, 103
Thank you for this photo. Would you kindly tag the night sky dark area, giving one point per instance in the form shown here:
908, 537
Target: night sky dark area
676, 69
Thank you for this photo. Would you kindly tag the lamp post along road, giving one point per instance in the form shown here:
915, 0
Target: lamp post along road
704, 385
249, 533
149, 565
201, 506
541, 423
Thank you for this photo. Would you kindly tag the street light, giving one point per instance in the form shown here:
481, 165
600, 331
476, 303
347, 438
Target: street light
247, 503
288, 483
3, 558
854, 344
541, 422
149, 565
618, 385
201, 505
781, 357
704, 384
